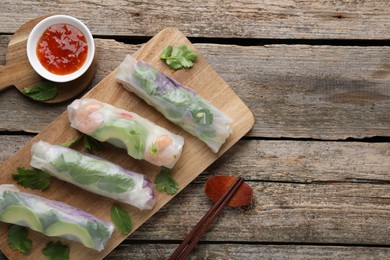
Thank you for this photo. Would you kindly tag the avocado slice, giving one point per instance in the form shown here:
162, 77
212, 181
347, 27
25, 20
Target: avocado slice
124, 133
21, 215
70, 231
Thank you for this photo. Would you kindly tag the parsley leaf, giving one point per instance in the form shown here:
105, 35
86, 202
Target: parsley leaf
32, 178
17, 239
165, 182
178, 57
121, 219
56, 251
41, 91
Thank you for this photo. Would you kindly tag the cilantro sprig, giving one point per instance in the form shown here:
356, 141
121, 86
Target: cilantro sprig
56, 251
121, 219
165, 182
88, 142
32, 178
178, 57
17, 239
41, 91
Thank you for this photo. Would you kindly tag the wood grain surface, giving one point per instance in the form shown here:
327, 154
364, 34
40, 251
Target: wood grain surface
195, 158
17, 71
297, 91
278, 19
292, 194
315, 74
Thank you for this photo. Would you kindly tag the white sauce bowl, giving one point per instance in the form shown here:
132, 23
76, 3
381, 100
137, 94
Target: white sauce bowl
36, 34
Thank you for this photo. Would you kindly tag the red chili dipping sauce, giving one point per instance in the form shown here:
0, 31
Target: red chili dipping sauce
62, 49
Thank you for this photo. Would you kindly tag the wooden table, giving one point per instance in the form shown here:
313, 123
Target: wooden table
316, 75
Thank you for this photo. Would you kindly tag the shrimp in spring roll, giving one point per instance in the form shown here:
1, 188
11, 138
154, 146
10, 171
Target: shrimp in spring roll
140, 137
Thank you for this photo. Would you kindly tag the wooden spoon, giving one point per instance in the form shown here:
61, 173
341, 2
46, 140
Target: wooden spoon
19, 73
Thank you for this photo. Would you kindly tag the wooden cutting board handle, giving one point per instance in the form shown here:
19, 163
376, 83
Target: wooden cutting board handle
18, 71
8, 75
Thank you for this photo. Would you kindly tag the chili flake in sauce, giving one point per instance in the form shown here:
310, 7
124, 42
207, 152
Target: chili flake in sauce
62, 49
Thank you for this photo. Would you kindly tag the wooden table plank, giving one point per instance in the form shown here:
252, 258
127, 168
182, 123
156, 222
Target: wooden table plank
249, 251
283, 213
285, 161
150, 250
295, 91
331, 212
314, 199
278, 19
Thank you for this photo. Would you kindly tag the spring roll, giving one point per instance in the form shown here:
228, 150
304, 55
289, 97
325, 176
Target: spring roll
53, 218
94, 174
142, 138
179, 104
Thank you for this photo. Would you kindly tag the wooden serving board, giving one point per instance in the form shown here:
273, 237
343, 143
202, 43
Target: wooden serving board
196, 156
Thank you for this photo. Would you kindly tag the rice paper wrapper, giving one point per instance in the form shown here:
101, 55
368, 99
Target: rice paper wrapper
178, 103
94, 174
50, 217
141, 138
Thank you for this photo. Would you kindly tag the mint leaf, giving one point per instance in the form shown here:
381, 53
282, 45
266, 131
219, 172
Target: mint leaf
165, 182
121, 219
56, 251
42, 91
89, 170
178, 57
115, 183
79, 171
31, 178
17, 239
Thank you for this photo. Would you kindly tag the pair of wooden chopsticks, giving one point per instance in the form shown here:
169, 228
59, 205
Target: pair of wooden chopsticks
193, 237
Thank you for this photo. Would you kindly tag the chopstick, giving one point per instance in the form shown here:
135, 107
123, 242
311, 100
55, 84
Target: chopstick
193, 237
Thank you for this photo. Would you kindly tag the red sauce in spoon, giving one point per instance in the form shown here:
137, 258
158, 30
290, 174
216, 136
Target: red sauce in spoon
62, 49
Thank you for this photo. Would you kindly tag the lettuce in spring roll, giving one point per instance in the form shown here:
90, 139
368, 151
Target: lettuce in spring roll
53, 218
140, 137
94, 174
179, 104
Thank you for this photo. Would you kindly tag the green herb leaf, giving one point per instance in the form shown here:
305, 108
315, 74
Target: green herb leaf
115, 183
41, 91
153, 149
146, 77
17, 239
178, 57
121, 219
56, 251
32, 178
202, 116
165, 182
91, 144
166, 53
86, 171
